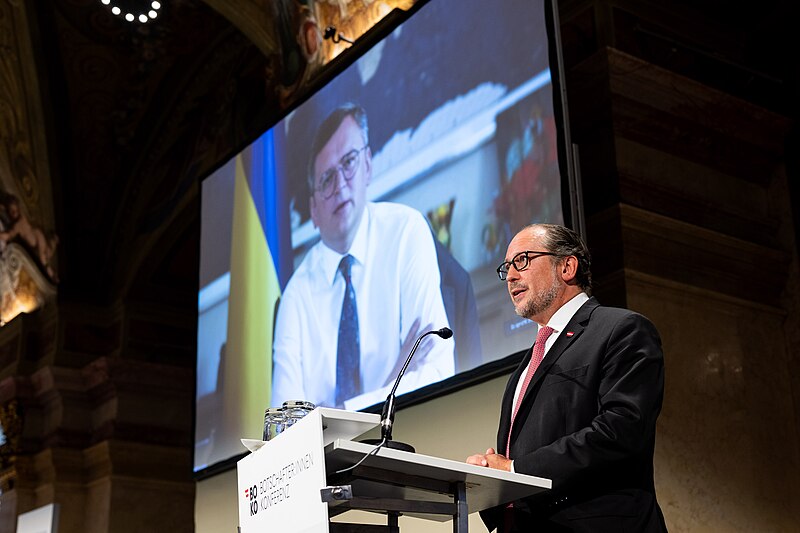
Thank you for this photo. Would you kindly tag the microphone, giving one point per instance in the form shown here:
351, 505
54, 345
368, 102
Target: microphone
387, 414
444, 333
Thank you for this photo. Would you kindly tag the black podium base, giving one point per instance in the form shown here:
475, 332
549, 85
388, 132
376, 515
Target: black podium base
393, 444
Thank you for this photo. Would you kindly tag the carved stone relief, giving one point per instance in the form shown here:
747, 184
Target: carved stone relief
25, 206
23, 288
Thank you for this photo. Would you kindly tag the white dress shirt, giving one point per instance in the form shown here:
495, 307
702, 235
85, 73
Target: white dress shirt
396, 280
558, 322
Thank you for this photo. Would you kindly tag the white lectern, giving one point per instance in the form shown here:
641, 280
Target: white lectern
291, 484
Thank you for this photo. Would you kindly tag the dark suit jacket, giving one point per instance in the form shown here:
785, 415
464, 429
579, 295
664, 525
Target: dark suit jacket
461, 309
588, 422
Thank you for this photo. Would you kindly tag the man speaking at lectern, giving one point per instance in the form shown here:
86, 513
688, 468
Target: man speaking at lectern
360, 298
581, 408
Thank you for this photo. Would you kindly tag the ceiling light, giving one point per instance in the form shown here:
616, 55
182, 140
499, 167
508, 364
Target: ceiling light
133, 10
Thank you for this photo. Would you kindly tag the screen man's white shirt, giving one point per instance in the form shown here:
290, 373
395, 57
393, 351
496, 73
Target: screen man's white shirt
396, 279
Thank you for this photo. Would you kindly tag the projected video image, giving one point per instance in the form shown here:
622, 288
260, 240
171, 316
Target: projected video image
376, 211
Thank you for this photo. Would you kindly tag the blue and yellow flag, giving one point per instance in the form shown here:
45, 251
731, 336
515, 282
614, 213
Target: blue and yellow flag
259, 239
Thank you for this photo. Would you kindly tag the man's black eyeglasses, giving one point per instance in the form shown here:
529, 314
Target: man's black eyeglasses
347, 164
521, 261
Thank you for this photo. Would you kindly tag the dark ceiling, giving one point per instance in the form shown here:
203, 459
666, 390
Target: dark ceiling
139, 112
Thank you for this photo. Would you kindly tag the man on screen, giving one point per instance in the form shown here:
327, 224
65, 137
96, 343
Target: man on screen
581, 408
363, 294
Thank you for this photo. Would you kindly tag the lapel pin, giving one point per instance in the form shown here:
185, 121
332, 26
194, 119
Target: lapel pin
570, 333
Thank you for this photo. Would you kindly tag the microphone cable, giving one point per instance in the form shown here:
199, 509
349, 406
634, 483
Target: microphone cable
371, 452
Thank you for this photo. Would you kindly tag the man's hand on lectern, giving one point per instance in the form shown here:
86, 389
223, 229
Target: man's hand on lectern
490, 459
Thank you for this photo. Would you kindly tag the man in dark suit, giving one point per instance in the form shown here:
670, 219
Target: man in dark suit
581, 408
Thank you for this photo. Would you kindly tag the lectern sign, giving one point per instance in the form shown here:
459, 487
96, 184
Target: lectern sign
279, 484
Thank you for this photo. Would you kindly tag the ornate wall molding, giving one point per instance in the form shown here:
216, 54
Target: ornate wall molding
24, 166
23, 287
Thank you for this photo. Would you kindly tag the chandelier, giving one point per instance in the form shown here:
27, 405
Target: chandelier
134, 10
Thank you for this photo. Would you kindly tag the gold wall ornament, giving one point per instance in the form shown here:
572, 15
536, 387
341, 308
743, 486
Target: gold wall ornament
24, 169
300, 52
353, 18
15, 225
23, 287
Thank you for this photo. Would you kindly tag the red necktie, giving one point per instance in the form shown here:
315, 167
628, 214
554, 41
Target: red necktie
536, 359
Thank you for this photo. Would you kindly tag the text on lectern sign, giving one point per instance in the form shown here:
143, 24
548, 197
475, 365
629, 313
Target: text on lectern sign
279, 485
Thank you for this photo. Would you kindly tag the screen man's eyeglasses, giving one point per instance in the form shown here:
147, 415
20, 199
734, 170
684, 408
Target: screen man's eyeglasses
347, 165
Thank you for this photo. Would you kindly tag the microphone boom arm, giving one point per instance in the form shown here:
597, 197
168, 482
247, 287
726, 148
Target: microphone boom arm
387, 414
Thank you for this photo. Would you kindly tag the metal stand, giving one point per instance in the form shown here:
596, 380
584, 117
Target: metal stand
345, 497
